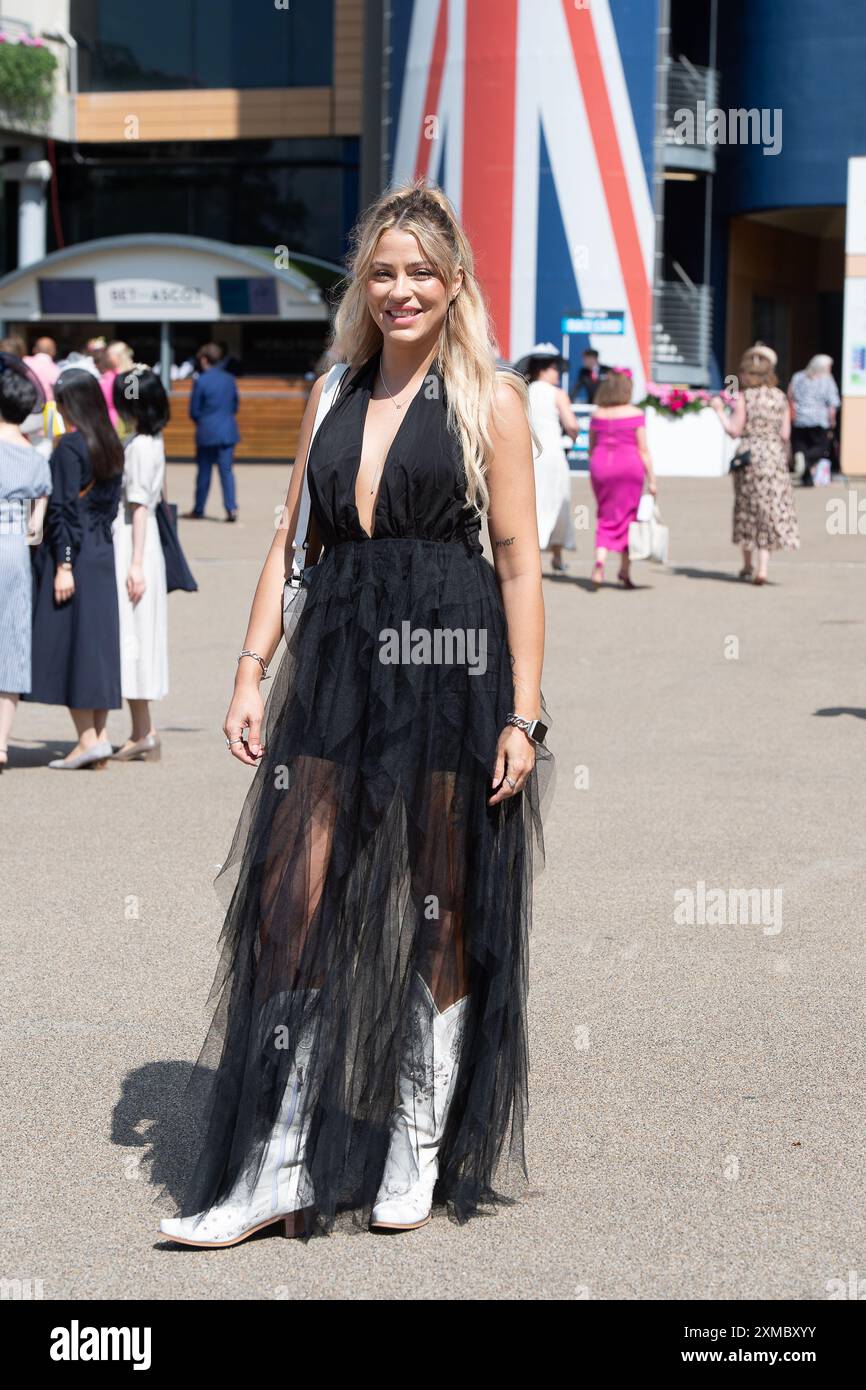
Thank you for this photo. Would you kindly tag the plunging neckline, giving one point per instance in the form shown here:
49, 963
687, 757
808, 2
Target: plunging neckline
407, 410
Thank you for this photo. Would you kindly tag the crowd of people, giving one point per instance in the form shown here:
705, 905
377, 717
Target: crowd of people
82, 574
82, 464
778, 436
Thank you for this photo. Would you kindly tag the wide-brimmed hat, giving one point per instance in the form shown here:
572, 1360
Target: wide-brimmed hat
541, 352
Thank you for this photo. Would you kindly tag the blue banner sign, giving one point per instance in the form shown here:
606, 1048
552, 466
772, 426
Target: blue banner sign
596, 321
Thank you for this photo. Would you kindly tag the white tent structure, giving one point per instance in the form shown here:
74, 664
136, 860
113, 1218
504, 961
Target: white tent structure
161, 279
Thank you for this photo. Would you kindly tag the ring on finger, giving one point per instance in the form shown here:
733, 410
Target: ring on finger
511, 784
230, 741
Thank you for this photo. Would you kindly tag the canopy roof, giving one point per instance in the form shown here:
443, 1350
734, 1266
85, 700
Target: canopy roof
163, 278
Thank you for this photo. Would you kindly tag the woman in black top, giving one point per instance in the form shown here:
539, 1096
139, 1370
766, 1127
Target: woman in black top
76, 630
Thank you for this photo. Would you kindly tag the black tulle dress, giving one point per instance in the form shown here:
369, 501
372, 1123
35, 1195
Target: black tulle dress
366, 849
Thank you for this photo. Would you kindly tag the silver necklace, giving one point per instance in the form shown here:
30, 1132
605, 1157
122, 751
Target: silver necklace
397, 403
398, 406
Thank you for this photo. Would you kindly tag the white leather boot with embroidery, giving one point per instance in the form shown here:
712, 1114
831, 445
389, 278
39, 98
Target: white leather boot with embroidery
427, 1073
283, 1187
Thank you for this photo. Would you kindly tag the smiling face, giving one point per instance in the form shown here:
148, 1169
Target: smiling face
405, 295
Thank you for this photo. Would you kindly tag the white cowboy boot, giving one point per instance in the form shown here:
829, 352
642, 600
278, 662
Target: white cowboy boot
283, 1186
427, 1071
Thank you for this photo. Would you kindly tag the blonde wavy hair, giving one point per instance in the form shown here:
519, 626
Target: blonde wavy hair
467, 350
756, 370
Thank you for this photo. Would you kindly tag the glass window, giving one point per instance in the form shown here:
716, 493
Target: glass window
297, 193
125, 45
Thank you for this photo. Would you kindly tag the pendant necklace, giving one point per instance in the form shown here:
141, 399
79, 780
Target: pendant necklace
398, 406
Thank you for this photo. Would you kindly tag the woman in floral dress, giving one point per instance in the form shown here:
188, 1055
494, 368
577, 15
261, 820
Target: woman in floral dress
764, 516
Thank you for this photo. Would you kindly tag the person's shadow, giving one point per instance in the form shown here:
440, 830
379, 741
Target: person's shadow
578, 581
158, 1119
39, 754
689, 572
831, 711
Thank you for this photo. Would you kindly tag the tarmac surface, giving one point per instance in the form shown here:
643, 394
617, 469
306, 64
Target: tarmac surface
696, 1124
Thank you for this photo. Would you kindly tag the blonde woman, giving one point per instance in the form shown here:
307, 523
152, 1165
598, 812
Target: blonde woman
121, 357
370, 1031
764, 515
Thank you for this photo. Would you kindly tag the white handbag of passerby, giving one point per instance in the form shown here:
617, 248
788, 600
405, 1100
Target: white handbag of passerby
647, 538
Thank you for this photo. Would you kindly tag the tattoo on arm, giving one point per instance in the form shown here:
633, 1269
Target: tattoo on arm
509, 540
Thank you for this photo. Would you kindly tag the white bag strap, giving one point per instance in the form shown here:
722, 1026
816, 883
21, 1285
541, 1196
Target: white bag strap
326, 400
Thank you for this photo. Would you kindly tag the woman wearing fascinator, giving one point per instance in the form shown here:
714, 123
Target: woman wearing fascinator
551, 416
25, 482
765, 518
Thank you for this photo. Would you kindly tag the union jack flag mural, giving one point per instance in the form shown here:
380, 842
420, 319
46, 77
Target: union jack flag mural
537, 119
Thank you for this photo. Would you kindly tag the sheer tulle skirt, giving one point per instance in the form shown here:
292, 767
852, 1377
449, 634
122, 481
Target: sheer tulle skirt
366, 851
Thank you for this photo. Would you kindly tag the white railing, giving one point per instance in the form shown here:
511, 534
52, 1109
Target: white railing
687, 85
682, 333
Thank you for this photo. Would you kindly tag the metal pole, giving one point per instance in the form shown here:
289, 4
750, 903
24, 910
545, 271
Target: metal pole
387, 153
165, 355
661, 114
373, 85
33, 206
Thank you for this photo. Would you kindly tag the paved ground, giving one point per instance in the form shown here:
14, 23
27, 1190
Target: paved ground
697, 1090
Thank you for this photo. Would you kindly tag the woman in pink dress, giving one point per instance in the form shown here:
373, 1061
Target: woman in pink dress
619, 462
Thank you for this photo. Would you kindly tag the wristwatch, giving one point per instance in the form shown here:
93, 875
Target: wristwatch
533, 728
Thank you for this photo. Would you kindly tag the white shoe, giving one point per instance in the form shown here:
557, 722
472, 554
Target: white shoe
283, 1187
428, 1069
96, 755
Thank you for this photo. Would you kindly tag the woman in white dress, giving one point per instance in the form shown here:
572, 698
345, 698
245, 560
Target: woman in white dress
140, 399
550, 413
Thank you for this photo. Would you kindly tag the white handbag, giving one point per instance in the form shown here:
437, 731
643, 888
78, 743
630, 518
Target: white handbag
299, 544
647, 538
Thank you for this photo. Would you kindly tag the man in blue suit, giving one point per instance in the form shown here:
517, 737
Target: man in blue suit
214, 407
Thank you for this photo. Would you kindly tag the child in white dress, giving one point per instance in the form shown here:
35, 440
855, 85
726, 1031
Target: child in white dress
142, 403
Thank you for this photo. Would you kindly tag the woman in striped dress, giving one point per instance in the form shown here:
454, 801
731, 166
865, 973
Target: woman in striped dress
24, 477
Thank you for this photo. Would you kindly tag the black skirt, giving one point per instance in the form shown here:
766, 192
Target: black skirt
76, 644
366, 850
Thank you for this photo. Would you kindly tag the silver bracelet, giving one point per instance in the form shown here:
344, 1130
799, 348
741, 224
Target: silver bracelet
257, 658
533, 728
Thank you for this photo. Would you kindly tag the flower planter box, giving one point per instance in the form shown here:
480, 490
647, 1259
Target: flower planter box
693, 446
